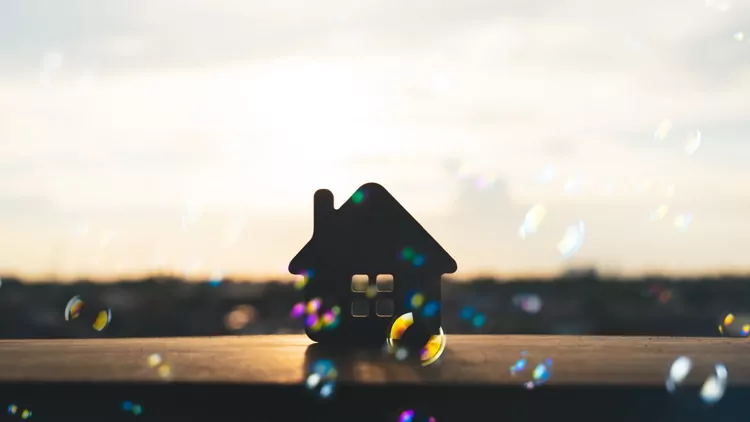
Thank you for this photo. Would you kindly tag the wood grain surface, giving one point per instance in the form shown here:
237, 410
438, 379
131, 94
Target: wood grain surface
283, 359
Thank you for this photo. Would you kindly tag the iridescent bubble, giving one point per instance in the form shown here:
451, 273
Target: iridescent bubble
12, 409
411, 415
25, 414
547, 175
682, 221
572, 240
431, 308
732, 325
154, 360
539, 376
406, 416
313, 305
216, 278
678, 371
659, 213
519, 365
663, 130
429, 352
478, 320
417, 260
572, 186
532, 221
164, 371
103, 318
739, 36
162, 367
693, 142
414, 300
302, 279
467, 313
528, 302
321, 378
298, 310
73, 308
715, 385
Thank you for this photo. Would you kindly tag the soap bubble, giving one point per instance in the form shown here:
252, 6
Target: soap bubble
532, 221
572, 240
73, 308
663, 130
103, 318
715, 385
321, 378
693, 142
406, 333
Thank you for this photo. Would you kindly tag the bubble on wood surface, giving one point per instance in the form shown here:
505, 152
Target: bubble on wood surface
162, 368
539, 375
414, 335
678, 371
715, 385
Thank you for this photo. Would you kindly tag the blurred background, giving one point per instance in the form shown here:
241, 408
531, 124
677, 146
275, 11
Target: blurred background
584, 162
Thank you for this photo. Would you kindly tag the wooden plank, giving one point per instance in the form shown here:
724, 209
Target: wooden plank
283, 359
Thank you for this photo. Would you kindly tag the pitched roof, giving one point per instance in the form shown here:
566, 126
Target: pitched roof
371, 232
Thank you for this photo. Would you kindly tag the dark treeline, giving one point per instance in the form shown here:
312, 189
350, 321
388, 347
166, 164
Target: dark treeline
579, 303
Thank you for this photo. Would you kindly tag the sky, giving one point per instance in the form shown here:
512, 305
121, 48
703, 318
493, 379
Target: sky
189, 136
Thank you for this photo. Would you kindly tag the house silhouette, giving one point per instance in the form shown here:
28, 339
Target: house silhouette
371, 261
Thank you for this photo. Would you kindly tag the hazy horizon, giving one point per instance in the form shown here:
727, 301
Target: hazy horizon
189, 137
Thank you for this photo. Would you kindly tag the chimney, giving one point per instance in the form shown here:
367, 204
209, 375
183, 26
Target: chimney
322, 208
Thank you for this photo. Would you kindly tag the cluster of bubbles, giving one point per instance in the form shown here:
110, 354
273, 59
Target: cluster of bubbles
429, 351
713, 387
239, 317
477, 319
735, 326
321, 378
409, 255
530, 303
134, 408
317, 318
17, 411
157, 363
572, 238
75, 307
412, 415
540, 375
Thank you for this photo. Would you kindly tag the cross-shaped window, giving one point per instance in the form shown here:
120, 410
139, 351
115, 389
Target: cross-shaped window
383, 283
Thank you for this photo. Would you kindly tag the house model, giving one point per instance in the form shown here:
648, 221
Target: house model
371, 262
